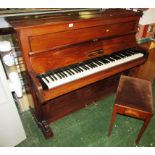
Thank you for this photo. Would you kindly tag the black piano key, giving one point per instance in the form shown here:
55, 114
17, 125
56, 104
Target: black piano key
88, 64
118, 56
103, 60
115, 57
94, 64
77, 68
123, 52
61, 74
110, 59
68, 71
44, 76
58, 74
135, 50
81, 69
84, 66
121, 55
48, 74
92, 61
131, 52
63, 71
52, 74
42, 83
97, 62
73, 69
126, 54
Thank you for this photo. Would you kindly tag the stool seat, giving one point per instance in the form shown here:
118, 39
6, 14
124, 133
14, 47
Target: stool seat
135, 93
134, 99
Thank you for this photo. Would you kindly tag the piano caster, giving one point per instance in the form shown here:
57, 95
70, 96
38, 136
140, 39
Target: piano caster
43, 125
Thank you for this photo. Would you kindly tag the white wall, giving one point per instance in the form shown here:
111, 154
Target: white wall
148, 17
11, 128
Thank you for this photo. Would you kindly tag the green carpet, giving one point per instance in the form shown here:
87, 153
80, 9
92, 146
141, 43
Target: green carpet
89, 127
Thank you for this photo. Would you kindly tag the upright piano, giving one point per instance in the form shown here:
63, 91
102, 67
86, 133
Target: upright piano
73, 59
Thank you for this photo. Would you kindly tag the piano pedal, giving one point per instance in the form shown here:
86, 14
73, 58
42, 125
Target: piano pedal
43, 125
86, 106
95, 103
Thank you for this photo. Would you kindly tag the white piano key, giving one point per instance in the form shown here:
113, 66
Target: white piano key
76, 76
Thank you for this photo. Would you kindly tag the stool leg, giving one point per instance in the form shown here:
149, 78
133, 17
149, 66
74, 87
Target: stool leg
146, 122
112, 120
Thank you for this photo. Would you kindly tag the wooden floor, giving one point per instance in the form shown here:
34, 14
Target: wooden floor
146, 71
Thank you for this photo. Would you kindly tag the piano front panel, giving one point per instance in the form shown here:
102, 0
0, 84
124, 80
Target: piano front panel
70, 102
78, 53
119, 43
51, 41
65, 56
33, 27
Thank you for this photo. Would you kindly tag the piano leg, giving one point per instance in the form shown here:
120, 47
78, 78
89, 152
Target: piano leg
37, 113
43, 125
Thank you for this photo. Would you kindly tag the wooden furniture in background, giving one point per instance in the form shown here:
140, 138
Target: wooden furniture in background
133, 98
146, 71
50, 42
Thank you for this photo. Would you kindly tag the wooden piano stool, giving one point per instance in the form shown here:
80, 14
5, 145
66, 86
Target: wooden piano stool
133, 99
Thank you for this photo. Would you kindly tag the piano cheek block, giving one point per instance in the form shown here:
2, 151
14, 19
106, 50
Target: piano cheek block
74, 63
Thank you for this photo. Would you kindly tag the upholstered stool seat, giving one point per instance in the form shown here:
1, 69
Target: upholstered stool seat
134, 99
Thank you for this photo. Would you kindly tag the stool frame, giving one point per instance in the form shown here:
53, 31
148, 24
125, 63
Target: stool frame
131, 112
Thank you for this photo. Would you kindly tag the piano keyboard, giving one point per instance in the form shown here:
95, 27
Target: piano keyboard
74, 72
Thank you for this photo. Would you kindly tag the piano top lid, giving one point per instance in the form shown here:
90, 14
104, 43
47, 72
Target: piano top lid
58, 18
